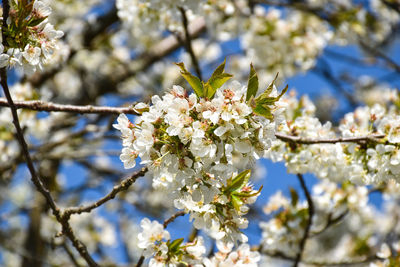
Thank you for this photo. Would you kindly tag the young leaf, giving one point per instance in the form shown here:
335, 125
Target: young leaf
194, 82
282, 93
266, 101
294, 197
262, 111
263, 101
220, 69
216, 82
247, 194
252, 85
268, 91
207, 89
218, 78
236, 202
238, 182
174, 246
36, 21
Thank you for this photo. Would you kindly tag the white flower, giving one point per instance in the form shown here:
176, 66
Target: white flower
196, 249
4, 58
152, 232
394, 133
15, 56
125, 126
128, 157
41, 9
32, 54
240, 257
51, 33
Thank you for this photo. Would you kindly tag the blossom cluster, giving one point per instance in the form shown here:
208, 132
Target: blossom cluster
371, 22
282, 233
154, 17
372, 161
280, 33
339, 22
30, 40
242, 256
346, 227
195, 147
227, 20
156, 242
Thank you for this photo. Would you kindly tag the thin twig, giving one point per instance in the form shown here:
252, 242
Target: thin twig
304, 141
331, 221
309, 222
124, 185
377, 53
70, 254
53, 107
325, 70
367, 62
392, 4
172, 218
140, 262
188, 43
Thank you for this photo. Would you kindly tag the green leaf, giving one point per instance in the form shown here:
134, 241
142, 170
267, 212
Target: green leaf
208, 90
302, 214
26, 9
247, 194
36, 21
397, 102
174, 246
237, 183
217, 79
236, 202
252, 85
262, 111
266, 101
263, 101
220, 69
216, 82
294, 196
194, 81
268, 91
282, 93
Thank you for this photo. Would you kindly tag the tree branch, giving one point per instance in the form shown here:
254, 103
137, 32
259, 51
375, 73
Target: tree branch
325, 71
392, 4
309, 222
331, 221
300, 140
53, 107
124, 185
70, 255
377, 53
140, 262
173, 217
66, 228
188, 43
